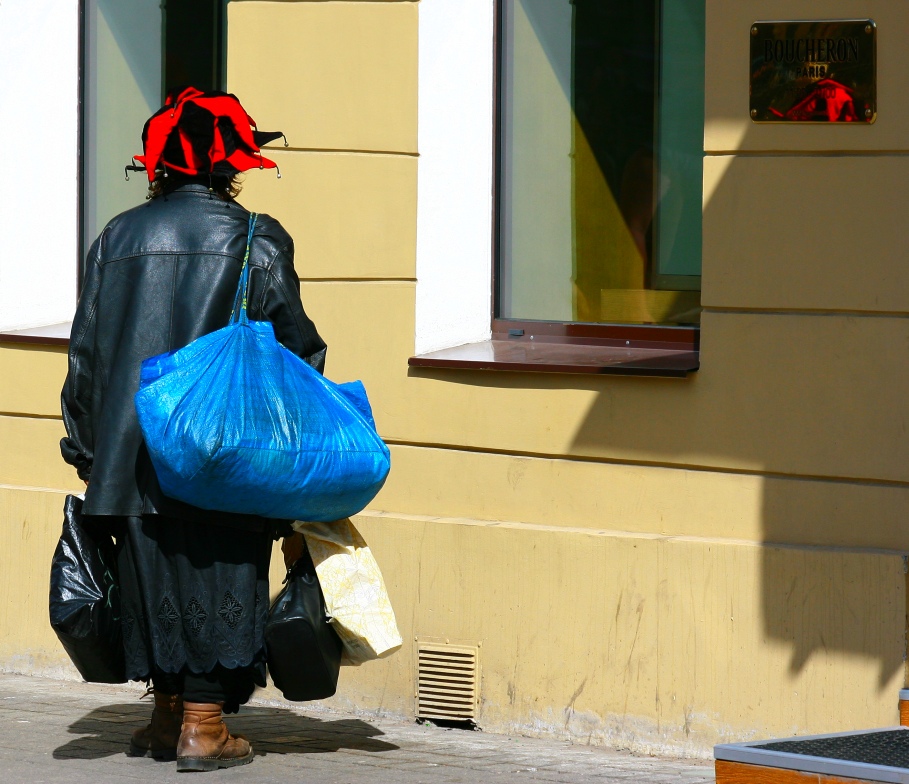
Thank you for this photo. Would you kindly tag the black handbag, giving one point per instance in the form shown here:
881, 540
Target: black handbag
85, 598
302, 649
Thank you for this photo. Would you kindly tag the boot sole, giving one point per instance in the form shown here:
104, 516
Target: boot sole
198, 764
162, 755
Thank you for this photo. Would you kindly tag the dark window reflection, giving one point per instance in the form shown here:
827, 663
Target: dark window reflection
193, 44
614, 95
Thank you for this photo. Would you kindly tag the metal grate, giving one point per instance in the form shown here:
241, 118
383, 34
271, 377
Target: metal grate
888, 747
447, 682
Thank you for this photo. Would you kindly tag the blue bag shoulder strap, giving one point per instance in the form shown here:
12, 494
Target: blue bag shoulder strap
238, 313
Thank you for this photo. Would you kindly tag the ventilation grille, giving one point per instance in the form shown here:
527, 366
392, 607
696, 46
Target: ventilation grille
447, 682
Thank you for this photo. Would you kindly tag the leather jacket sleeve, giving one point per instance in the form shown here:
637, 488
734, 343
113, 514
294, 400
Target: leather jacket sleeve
281, 305
76, 399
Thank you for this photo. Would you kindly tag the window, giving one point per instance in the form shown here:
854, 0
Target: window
133, 54
598, 151
600, 158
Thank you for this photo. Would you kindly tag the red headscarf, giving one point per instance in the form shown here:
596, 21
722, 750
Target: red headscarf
201, 133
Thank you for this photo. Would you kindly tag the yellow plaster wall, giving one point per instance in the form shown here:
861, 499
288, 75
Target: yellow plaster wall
33, 483
30, 522
667, 501
643, 641
31, 379
315, 198
30, 454
811, 233
727, 537
331, 75
802, 251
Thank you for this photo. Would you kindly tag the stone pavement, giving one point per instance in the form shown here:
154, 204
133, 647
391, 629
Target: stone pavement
61, 731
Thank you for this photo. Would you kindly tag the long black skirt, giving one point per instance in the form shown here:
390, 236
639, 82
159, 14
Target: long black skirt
194, 597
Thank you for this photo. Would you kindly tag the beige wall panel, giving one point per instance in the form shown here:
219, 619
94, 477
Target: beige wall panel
644, 499
729, 126
775, 393
30, 454
331, 75
30, 524
351, 216
663, 646
32, 379
773, 241
369, 329
810, 395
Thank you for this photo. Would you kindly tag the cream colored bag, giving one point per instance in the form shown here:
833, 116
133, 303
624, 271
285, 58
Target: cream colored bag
355, 595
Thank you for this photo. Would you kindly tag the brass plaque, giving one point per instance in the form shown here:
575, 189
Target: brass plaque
814, 71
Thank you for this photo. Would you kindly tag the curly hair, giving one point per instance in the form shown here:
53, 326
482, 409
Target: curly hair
224, 187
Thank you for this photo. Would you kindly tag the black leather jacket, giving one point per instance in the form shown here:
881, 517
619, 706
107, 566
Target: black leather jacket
158, 277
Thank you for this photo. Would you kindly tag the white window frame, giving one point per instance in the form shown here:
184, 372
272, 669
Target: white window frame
39, 156
456, 173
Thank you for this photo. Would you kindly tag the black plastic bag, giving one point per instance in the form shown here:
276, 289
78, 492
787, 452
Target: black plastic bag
302, 648
85, 597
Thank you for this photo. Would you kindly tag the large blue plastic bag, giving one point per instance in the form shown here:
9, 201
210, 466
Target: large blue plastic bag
234, 422
237, 423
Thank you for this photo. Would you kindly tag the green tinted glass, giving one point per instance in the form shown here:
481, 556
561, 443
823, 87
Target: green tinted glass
600, 182
134, 53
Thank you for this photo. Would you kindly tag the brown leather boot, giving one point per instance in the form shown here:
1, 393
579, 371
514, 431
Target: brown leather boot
205, 743
159, 739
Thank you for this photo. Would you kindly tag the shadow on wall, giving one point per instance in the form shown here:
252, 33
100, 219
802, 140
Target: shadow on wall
776, 397
816, 600
753, 410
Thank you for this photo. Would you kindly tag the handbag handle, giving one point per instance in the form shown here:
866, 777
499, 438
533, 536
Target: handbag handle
240, 298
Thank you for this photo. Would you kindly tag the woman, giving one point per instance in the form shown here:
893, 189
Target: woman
194, 583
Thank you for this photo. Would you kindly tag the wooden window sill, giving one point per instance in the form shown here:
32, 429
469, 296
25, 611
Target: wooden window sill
51, 335
542, 356
533, 356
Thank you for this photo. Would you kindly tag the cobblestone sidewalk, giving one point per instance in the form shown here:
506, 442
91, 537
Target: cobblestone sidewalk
60, 731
